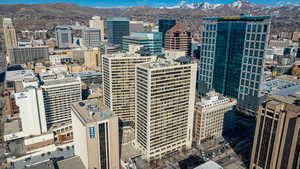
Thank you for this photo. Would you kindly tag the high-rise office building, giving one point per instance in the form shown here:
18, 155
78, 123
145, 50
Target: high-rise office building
165, 97
23, 55
136, 26
9, 33
64, 37
117, 27
97, 23
119, 83
164, 25
96, 135
59, 94
277, 135
10, 38
209, 116
151, 41
178, 38
91, 37
232, 57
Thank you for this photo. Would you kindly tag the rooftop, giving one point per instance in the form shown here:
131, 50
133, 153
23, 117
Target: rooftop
71, 163
92, 110
62, 81
11, 127
144, 35
19, 75
209, 165
123, 55
281, 86
44, 165
159, 64
117, 19
178, 28
292, 100
238, 18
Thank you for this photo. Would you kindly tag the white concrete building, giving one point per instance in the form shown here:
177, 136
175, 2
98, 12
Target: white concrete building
97, 23
59, 94
165, 96
32, 111
209, 116
91, 37
119, 82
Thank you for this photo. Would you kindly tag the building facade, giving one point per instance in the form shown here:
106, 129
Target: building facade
209, 116
150, 40
232, 58
23, 55
97, 23
58, 95
64, 37
119, 83
165, 96
96, 135
117, 27
91, 37
164, 25
10, 38
178, 38
277, 135
9, 33
32, 111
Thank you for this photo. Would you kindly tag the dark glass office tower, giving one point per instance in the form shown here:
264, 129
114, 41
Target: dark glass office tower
164, 26
117, 27
231, 60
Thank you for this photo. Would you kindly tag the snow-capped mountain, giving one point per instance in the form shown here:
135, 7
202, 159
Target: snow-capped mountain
206, 5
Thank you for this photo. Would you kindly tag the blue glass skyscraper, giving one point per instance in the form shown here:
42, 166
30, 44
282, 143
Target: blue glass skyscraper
150, 40
232, 57
117, 27
164, 25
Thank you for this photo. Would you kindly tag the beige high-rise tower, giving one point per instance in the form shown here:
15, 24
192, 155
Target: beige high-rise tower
10, 37
276, 142
165, 97
119, 83
96, 135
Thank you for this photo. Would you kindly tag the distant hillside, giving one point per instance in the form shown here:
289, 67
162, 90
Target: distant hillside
46, 16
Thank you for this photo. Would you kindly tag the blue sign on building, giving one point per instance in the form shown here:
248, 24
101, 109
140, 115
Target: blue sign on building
92, 132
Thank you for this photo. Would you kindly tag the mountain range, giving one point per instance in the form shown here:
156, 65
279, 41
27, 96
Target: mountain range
285, 17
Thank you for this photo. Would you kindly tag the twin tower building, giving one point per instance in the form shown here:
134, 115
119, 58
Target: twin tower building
156, 98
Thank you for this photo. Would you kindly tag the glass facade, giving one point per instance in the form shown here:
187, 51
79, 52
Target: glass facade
164, 26
117, 27
232, 58
104, 147
150, 40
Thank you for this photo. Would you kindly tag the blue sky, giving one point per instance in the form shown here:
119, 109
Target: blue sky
118, 3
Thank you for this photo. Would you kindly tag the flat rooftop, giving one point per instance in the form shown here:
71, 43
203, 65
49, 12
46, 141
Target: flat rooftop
92, 110
209, 165
159, 64
117, 19
124, 55
238, 18
19, 75
67, 80
13, 126
292, 100
144, 35
71, 163
43, 165
281, 86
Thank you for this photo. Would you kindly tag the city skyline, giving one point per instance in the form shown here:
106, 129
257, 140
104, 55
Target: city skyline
151, 3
